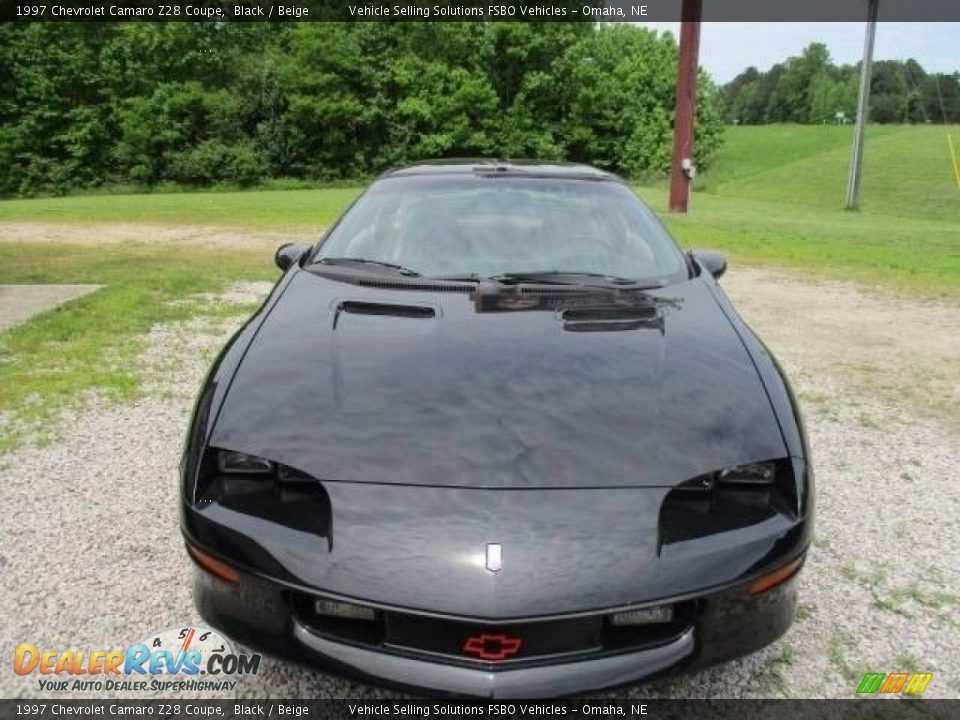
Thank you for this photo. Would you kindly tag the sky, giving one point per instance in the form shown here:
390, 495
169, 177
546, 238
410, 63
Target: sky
726, 49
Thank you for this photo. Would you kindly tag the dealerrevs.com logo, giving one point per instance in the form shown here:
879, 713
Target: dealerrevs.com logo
186, 658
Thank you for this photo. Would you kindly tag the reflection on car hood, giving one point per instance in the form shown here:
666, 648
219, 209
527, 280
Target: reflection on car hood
507, 389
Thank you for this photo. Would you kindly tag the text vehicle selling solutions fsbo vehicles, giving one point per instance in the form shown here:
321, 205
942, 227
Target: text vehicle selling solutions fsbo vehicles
496, 435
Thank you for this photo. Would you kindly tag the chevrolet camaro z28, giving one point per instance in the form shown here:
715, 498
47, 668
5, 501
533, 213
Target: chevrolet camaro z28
496, 435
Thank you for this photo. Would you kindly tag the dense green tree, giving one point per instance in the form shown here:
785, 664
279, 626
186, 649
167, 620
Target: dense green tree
87, 104
790, 99
811, 89
941, 97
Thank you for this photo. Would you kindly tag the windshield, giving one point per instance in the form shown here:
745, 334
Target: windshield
488, 226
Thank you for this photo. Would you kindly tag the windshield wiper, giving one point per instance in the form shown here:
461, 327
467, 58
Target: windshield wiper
366, 261
562, 277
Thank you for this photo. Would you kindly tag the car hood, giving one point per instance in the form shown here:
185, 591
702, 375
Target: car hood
503, 389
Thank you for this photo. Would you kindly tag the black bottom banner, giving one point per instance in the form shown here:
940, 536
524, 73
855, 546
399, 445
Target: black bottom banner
876, 709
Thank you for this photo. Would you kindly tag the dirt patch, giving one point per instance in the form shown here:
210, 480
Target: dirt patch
199, 235
903, 351
21, 302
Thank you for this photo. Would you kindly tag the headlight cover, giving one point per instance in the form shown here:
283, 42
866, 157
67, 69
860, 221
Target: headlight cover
266, 489
238, 463
761, 473
729, 499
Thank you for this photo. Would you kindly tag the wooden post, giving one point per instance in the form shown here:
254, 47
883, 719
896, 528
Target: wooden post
681, 171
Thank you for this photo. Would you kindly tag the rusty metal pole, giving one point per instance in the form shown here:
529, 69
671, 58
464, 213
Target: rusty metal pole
681, 171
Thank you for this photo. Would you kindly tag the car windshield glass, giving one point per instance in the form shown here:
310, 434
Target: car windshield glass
490, 226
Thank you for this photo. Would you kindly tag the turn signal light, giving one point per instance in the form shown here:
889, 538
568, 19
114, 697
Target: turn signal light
215, 567
777, 577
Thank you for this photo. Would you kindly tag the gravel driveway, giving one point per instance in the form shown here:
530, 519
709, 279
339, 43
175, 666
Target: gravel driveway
92, 559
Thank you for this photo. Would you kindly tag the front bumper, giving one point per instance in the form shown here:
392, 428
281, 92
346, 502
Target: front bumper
565, 678
265, 615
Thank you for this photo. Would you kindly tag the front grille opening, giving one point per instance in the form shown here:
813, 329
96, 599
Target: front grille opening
521, 641
492, 645
626, 637
355, 631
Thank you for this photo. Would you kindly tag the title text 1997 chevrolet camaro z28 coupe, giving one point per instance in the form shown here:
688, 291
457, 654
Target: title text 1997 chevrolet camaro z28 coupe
496, 435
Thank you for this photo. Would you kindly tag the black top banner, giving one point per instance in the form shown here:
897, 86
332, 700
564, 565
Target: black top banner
472, 11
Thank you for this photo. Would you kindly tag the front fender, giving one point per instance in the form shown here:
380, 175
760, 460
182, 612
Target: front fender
217, 383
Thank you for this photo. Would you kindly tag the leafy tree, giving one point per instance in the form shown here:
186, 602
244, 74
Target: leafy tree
941, 97
86, 104
809, 88
789, 99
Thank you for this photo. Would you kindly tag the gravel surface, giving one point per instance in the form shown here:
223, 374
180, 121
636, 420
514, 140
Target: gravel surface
92, 559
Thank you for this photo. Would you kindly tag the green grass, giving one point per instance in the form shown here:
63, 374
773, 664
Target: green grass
917, 255
774, 196
264, 209
906, 171
89, 343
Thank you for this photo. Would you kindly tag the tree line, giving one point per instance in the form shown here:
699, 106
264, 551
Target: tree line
86, 105
810, 88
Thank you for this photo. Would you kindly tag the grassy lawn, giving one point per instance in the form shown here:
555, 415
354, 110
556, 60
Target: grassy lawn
90, 343
906, 169
265, 209
913, 255
773, 196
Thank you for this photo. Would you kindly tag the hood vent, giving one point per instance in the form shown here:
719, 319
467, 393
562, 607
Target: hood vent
355, 307
610, 319
359, 307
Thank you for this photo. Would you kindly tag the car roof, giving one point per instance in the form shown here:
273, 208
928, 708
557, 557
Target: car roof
491, 166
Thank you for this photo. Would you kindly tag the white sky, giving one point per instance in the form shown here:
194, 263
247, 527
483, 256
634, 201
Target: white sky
726, 49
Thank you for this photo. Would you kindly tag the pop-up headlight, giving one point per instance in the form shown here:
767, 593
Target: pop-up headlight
238, 463
761, 473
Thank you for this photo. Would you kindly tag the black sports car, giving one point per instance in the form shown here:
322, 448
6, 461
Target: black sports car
497, 435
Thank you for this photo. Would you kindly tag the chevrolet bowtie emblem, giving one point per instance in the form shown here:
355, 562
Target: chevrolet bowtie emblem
494, 557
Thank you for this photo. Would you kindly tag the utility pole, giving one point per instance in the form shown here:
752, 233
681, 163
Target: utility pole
682, 170
863, 108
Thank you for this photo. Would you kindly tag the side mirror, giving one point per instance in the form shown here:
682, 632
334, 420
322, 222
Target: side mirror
289, 253
713, 262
